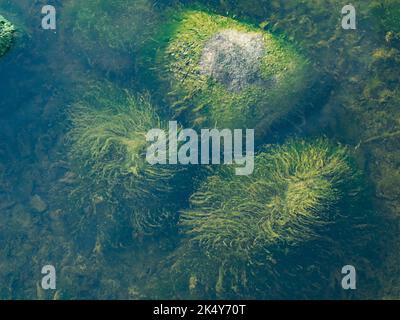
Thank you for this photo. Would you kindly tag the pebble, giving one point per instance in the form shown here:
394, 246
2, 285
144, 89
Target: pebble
37, 204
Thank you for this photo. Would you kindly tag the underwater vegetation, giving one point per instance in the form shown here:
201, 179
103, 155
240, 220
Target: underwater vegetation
219, 72
109, 33
237, 224
291, 193
116, 228
108, 149
6, 35
363, 109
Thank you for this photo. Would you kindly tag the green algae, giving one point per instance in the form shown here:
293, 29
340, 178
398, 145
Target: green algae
109, 33
108, 149
6, 35
237, 227
365, 115
363, 108
293, 188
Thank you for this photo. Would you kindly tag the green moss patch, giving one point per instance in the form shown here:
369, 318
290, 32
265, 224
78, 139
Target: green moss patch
6, 35
108, 32
289, 195
108, 149
243, 233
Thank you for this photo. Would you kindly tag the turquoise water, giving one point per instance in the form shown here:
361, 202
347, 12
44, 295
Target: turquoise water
46, 72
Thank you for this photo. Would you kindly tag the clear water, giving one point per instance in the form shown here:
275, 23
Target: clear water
46, 70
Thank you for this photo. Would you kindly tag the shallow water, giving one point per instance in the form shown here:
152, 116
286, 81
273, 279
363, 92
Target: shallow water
46, 71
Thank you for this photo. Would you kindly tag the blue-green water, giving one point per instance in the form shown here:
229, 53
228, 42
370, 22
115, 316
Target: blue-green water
355, 102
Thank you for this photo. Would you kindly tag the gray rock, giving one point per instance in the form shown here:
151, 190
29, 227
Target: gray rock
234, 58
37, 204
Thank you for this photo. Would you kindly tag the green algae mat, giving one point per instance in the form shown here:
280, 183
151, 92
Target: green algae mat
6, 35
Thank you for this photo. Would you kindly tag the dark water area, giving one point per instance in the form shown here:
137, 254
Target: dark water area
48, 218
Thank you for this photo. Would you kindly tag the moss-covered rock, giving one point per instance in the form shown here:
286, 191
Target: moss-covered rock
289, 195
224, 73
6, 35
238, 228
108, 150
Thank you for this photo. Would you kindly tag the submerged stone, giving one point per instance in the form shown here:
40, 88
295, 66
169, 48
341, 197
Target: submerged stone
241, 232
37, 204
293, 192
108, 151
219, 72
234, 59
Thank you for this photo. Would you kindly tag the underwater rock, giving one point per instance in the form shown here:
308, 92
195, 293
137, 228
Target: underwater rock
239, 227
37, 204
108, 152
290, 194
6, 35
219, 72
233, 58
